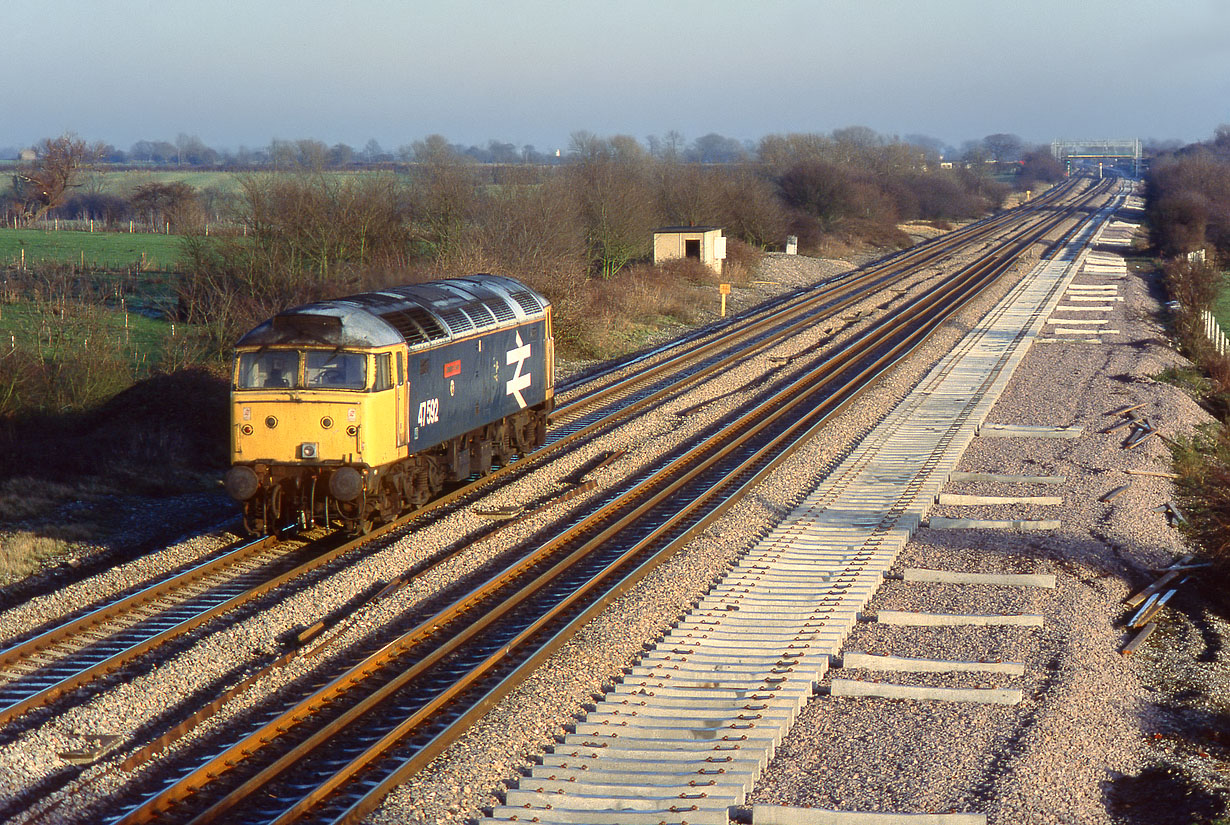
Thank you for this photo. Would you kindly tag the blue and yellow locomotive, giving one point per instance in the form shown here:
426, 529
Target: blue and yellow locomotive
353, 410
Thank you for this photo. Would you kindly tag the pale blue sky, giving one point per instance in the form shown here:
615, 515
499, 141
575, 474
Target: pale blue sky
532, 72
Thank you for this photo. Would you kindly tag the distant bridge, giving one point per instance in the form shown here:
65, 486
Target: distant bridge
1124, 149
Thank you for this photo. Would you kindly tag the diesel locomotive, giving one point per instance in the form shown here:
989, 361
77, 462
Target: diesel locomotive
350, 411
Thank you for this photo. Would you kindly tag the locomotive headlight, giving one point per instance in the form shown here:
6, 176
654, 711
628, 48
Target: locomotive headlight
308, 450
241, 483
326, 422
271, 422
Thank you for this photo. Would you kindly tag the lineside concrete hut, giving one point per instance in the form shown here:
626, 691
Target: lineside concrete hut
705, 243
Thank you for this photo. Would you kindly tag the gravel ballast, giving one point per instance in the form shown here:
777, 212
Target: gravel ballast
1046, 760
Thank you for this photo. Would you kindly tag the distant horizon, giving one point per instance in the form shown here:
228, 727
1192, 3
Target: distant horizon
240, 74
748, 143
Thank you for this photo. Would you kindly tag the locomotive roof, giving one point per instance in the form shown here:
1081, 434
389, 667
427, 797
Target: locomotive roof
421, 315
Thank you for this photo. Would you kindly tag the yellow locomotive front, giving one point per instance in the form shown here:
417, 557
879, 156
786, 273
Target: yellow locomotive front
286, 396
307, 427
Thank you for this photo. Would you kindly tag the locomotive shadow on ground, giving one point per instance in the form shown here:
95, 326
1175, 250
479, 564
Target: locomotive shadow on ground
1163, 793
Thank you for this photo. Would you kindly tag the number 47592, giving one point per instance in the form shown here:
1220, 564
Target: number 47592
429, 412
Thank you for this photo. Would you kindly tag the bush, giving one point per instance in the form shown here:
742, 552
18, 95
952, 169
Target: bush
1194, 284
741, 261
1203, 492
1188, 200
111, 210
68, 359
822, 191
309, 237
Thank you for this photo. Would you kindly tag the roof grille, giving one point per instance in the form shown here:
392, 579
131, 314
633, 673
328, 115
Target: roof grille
415, 324
500, 309
427, 321
527, 302
456, 320
481, 315
409, 330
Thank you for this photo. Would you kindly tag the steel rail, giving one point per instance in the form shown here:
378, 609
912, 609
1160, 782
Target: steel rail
37, 648
979, 275
113, 609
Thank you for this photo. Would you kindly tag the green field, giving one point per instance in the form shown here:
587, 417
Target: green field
142, 339
125, 182
1221, 306
111, 250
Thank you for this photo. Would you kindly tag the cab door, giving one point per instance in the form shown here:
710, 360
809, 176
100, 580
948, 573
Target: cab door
403, 401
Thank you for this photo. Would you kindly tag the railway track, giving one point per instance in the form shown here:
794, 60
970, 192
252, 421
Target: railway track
688, 731
404, 700
102, 640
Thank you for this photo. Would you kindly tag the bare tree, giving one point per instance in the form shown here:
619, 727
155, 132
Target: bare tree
749, 208
714, 148
610, 182
1004, 148
443, 195
308, 235
313, 154
687, 193
585, 146
341, 155
176, 204
46, 183
374, 153
282, 153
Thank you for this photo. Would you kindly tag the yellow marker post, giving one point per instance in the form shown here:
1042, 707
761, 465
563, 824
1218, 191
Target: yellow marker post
724, 290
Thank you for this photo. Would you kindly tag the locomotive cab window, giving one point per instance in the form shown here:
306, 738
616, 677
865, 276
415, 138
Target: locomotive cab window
334, 370
383, 379
270, 369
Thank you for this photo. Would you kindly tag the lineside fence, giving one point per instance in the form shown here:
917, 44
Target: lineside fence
1214, 332
128, 226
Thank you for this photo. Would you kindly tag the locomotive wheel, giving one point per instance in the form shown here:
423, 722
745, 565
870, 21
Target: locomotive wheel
390, 504
275, 509
252, 519
355, 516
